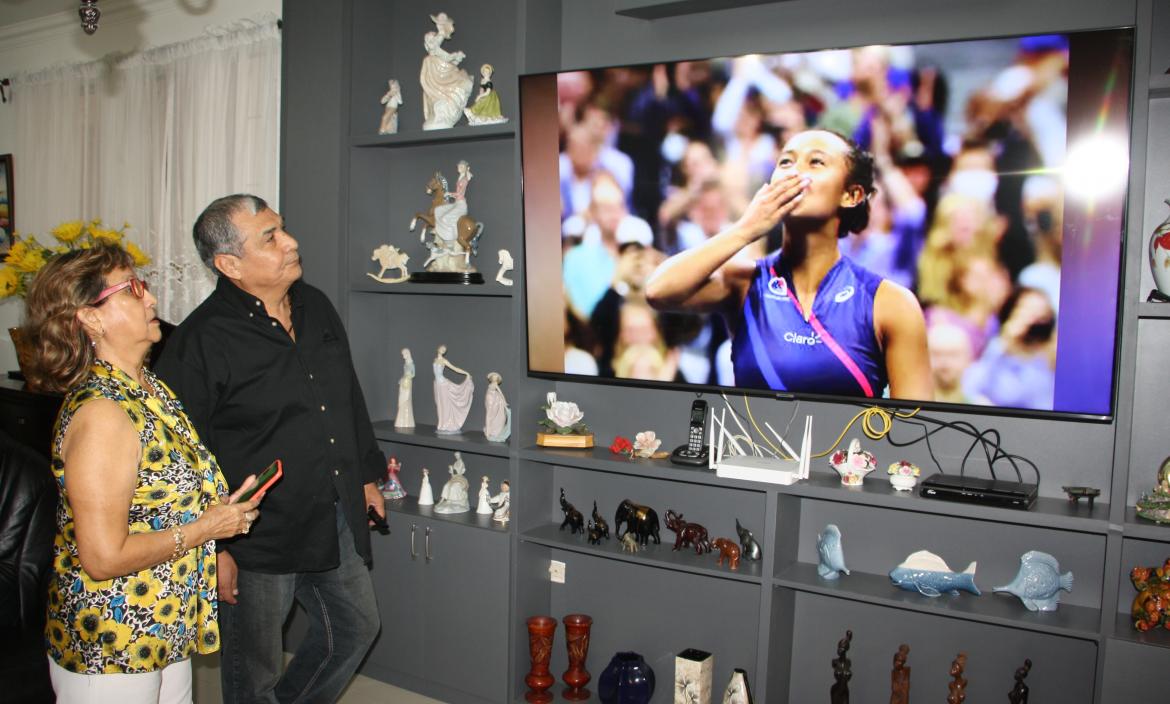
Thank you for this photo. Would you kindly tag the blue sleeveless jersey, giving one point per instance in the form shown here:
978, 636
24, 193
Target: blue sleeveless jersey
776, 348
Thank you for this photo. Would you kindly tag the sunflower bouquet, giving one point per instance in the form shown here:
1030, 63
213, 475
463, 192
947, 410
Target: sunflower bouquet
27, 256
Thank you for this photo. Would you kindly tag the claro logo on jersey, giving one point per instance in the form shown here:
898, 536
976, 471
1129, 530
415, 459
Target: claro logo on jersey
777, 288
797, 338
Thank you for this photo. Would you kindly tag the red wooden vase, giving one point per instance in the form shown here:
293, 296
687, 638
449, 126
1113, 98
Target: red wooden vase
539, 679
577, 641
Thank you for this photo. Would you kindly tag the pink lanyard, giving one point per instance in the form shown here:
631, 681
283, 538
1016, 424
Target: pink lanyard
835, 348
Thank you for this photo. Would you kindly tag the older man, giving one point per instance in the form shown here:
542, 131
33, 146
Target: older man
263, 368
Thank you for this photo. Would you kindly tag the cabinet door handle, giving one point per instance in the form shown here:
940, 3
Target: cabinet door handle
427, 543
413, 554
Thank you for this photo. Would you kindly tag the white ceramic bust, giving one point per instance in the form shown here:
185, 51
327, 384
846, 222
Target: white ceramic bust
454, 498
485, 497
445, 86
405, 417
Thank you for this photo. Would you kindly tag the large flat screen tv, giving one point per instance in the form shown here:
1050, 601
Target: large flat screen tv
936, 224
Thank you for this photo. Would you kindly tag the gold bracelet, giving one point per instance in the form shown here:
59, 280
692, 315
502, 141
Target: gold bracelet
180, 542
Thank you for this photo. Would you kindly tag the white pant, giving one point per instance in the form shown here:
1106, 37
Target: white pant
170, 685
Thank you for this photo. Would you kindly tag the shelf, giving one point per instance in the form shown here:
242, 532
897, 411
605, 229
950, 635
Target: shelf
1153, 310
486, 290
663, 556
994, 609
1145, 530
424, 436
1160, 86
408, 506
1051, 513
460, 133
1123, 630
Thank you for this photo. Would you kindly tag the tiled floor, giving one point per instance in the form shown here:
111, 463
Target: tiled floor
362, 690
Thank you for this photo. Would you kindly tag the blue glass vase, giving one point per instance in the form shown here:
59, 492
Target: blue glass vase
626, 680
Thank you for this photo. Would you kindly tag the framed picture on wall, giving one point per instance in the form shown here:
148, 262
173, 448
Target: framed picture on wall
6, 222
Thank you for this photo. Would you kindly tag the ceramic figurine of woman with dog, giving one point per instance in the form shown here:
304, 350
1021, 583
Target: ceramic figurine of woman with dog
452, 401
445, 86
486, 108
405, 417
392, 100
497, 424
503, 503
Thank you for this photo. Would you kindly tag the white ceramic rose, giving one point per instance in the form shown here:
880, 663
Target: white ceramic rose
646, 444
562, 417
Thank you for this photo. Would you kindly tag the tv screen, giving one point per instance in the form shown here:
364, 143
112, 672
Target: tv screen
921, 224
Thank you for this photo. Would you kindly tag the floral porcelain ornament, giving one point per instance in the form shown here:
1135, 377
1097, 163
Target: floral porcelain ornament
903, 475
645, 445
853, 464
562, 425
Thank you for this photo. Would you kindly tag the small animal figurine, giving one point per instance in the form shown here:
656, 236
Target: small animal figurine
1151, 607
749, 547
687, 534
729, 550
928, 574
900, 677
638, 519
594, 534
1039, 581
573, 518
1019, 693
958, 685
629, 543
832, 558
842, 671
602, 526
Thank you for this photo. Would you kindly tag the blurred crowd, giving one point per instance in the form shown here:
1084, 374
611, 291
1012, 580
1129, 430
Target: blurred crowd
656, 159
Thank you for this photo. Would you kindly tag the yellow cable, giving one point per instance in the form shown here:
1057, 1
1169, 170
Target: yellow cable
867, 426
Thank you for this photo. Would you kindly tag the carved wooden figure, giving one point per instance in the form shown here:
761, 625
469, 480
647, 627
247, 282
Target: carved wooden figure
900, 677
573, 518
842, 671
687, 534
638, 519
1019, 693
602, 526
958, 685
728, 550
594, 534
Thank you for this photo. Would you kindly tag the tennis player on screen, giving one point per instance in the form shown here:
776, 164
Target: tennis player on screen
806, 318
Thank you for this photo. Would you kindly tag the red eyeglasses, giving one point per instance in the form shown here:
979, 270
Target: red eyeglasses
137, 286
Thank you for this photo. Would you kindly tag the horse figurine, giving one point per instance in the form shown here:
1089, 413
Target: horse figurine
463, 242
687, 533
573, 518
640, 520
727, 550
602, 526
388, 257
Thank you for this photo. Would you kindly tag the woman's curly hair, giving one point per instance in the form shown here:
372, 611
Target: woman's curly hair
62, 353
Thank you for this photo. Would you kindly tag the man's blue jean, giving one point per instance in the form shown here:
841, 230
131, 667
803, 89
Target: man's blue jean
343, 622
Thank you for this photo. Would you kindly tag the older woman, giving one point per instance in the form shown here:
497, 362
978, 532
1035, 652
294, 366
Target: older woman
133, 595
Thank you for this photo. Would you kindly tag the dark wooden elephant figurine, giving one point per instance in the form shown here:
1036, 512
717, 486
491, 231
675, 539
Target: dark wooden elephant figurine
686, 533
640, 520
602, 526
728, 550
573, 518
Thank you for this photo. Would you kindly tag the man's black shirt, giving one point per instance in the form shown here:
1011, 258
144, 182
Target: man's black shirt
255, 395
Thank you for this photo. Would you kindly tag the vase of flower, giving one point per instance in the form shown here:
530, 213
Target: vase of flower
539, 679
628, 679
577, 628
1160, 256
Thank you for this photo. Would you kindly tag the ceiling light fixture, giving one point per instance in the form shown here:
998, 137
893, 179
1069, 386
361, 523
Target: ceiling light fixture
90, 15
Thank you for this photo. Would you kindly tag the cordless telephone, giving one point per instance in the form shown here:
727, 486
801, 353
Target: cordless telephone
694, 452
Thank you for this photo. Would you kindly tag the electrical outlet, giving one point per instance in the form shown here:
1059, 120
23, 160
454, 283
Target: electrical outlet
556, 571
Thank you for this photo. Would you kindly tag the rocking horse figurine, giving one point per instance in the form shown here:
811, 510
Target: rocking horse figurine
453, 235
388, 257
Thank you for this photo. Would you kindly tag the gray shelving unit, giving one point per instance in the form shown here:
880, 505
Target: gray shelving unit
454, 625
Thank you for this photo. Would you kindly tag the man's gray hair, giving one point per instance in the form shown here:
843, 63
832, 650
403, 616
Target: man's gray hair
214, 231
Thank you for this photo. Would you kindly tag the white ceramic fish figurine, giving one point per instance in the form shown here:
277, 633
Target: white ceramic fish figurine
928, 574
832, 561
1039, 581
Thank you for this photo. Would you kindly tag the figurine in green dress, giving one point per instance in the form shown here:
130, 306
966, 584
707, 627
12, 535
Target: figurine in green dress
486, 108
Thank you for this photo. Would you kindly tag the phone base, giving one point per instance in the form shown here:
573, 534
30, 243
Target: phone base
683, 456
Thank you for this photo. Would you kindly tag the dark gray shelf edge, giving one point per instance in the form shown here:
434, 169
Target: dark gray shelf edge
1160, 86
1153, 310
1123, 630
610, 550
486, 290
878, 591
1050, 513
425, 436
462, 133
408, 506
1142, 529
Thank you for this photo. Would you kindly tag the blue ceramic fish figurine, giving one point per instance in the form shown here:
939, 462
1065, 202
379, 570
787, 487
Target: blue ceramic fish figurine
928, 574
1039, 581
832, 561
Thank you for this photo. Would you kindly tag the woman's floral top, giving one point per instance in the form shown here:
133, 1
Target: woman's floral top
147, 620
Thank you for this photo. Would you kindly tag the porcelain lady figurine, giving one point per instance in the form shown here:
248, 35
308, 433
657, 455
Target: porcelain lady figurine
447, 215
391, 487
486, 108
854, 464
497, 424
454, 496
405, 417
392, 100
502, 503
426, 497
484, 506
452, 401
445, 86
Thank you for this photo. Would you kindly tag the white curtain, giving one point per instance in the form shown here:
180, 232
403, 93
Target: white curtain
149, 139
